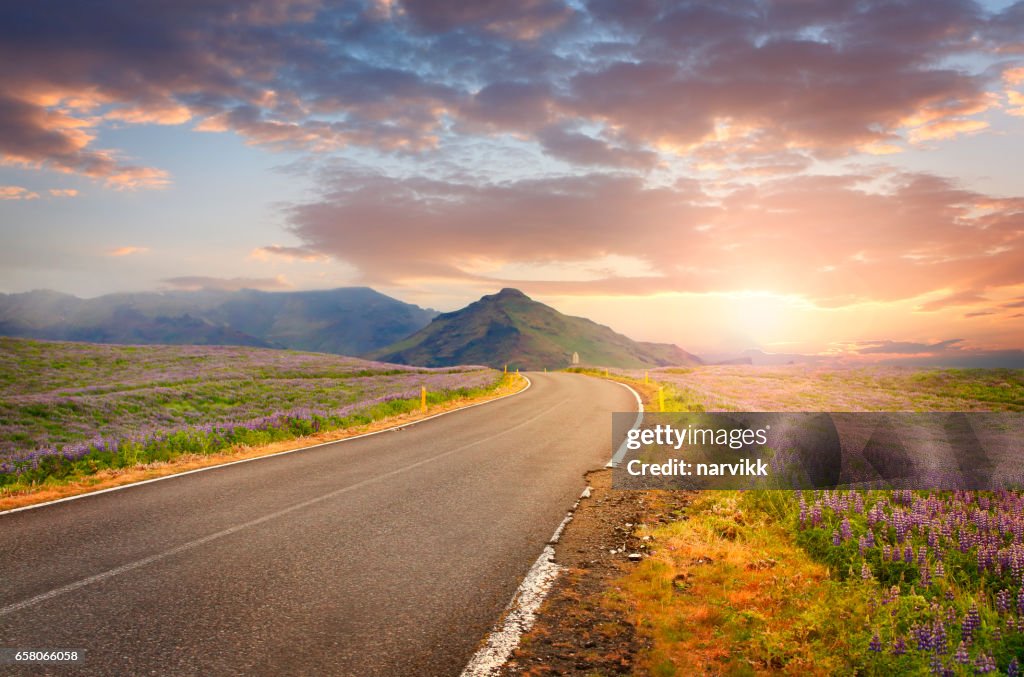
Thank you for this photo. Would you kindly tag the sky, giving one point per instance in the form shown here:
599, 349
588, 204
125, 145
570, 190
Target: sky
838, 178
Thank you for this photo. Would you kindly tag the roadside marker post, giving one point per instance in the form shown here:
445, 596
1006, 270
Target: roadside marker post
423, 398
661, 398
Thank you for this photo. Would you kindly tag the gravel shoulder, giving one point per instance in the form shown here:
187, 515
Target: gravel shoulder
582, 628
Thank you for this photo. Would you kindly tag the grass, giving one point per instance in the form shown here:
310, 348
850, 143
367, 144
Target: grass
728, 592
70, 411
873, 583
674, 396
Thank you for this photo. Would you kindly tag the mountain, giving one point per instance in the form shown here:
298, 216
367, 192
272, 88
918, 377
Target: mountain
347, 321
511, 328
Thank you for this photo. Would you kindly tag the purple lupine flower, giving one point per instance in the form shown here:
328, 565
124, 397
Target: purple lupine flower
816, 514
961, 656
875, 644
972, 621
984, 664
923, 635
939, 637
899, 646
1003, 601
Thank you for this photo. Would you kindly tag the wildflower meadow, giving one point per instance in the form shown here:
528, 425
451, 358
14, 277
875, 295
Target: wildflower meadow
69, 409
849, 582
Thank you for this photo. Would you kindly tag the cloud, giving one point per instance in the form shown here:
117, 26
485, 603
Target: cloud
288, 253
963, 298
586, 150
126, 251
829, 239
63, 192
197, 282
591, 83
35, 136
526, 20
17, 193
909, 348
946, 129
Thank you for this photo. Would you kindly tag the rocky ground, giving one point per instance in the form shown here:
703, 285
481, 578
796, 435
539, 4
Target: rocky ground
580, 629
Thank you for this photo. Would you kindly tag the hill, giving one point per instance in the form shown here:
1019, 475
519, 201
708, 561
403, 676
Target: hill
346, 321
511, 328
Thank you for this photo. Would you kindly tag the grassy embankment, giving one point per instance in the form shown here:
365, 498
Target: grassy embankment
842, 582
80, 417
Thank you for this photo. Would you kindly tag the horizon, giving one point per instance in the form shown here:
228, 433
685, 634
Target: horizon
710, 176
951, 355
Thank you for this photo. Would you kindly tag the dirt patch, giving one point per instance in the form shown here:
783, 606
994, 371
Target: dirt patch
109, 478
580, 629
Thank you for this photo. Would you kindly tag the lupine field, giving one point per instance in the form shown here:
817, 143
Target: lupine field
918, 582
70, 409
810, 388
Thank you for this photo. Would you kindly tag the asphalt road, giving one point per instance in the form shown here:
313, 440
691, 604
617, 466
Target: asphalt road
392, 554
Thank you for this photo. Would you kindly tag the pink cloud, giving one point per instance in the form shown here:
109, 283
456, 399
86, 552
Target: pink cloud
126, 251
34, 135
703, 81
17, 193
288, 253
828, 239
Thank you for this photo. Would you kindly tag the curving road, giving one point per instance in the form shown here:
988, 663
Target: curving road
392, 554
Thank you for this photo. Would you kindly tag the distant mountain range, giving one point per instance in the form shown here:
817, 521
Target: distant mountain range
511, 328
347, 321
503, 328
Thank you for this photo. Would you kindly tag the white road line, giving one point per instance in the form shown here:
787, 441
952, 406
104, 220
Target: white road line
258, 458
110, 573
521, 612
620, 453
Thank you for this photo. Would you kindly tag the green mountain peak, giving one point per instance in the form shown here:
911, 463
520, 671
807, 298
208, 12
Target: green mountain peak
511, 328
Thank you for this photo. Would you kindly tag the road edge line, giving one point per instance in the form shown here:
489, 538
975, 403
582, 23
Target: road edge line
259, 458
621, 451
521, 611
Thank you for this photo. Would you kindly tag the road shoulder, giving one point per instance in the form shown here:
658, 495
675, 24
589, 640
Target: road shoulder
582, 628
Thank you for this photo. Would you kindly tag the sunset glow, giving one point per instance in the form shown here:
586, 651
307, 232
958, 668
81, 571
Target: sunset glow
835, 178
